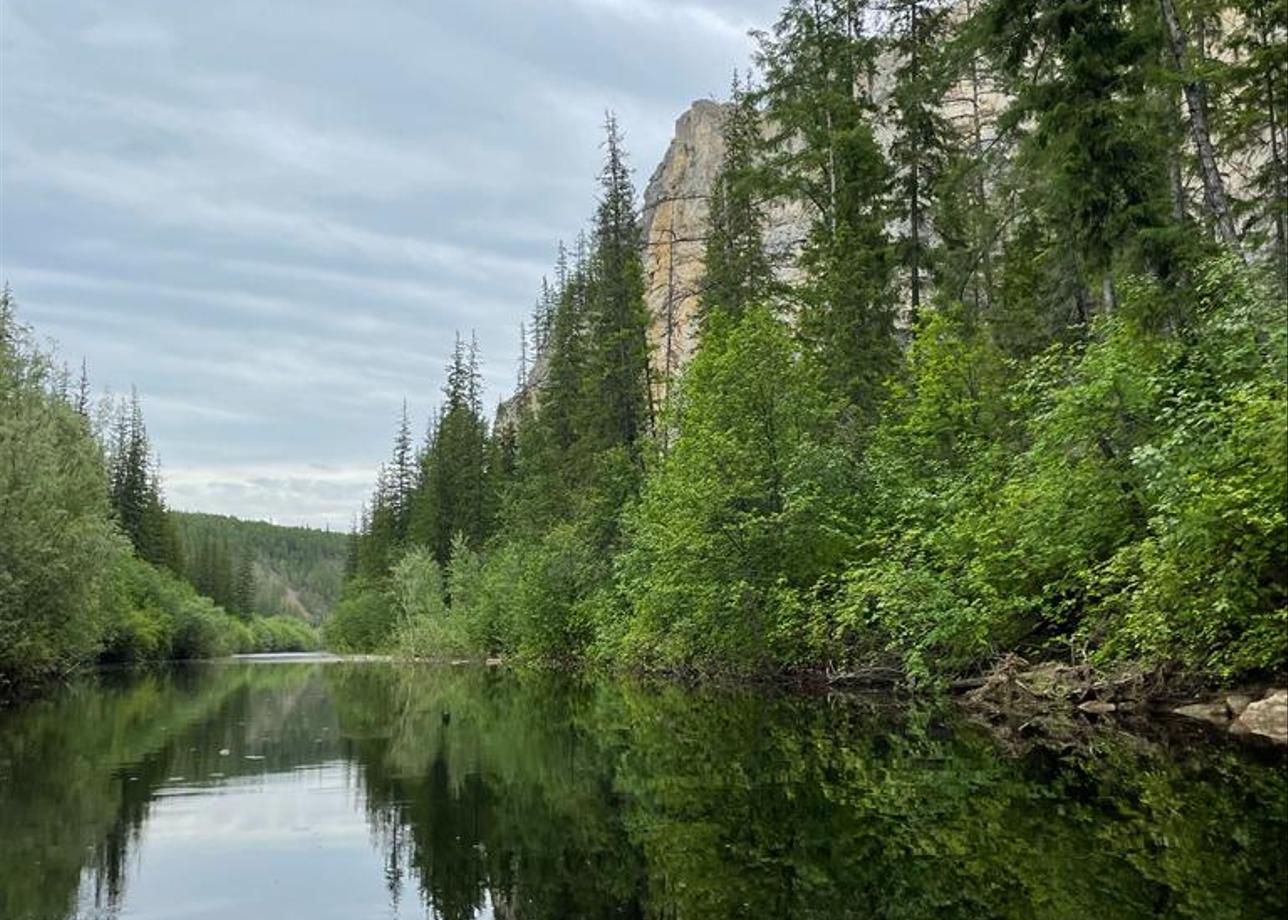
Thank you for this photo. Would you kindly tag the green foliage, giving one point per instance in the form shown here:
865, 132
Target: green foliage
825, 156
155, 616
616, 383
363, 621
558, 574
134, 487
282, 634
1133, 507
1004, 394
737, 270
1207, 584
485, 595
57, 544
748, 505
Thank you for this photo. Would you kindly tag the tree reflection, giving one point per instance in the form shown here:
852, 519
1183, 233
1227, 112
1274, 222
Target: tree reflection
547, 797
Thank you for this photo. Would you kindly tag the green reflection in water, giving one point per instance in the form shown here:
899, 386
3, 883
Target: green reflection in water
546, 797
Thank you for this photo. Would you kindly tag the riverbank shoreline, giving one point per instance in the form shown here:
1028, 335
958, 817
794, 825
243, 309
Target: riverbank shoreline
1047, 696
1051, 699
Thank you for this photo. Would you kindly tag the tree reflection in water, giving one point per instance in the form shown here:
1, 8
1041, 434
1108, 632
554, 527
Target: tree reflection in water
539, 796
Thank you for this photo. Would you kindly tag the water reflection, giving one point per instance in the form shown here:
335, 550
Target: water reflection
376, 790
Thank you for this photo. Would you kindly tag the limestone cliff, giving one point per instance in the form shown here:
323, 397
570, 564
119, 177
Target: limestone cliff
674, 229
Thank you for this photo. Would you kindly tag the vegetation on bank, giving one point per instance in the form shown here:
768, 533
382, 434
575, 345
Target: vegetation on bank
89, 557
1022, 387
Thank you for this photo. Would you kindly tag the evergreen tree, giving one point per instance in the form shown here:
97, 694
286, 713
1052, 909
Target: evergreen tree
244, 585
916, 37
738, 272
1252, 120
134, 488
402, 472
617, 321
1094, 153
817, 64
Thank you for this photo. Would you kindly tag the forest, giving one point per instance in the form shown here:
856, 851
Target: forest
1021, 387
91, 560
258, 567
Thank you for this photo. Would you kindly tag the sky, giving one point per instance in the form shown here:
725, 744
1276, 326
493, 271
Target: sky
273, 218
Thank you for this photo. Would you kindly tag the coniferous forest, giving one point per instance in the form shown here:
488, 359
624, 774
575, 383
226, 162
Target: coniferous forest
257, 567
1020, 387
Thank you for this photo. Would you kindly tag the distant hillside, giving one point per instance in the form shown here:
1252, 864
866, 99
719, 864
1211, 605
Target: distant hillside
254, 566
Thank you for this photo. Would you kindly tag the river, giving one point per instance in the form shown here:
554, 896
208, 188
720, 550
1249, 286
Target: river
329, 789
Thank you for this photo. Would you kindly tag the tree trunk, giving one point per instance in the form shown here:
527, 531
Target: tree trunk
1196, 102
1277, 164
914, 210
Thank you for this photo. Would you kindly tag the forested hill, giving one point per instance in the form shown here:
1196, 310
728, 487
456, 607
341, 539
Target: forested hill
262, 567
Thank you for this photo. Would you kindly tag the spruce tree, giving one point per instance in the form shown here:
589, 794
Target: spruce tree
817, 64
1094, 153
402, 471
918, 153
1252, 121
737, 270
617, 362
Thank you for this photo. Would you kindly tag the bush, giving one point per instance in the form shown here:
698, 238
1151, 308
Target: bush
281, 634
363, 620
158, 616
751, 504
485, 592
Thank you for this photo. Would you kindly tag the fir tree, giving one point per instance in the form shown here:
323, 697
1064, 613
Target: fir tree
918, 153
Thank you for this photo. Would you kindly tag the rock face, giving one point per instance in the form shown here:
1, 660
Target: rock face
675, 222
1267, 717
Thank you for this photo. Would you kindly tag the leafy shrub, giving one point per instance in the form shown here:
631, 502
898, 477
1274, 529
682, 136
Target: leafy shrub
751, 502
363, 620
1131, 506
57, 544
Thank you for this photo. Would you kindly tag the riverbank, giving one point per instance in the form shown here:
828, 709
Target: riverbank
1052, 697
1047, 697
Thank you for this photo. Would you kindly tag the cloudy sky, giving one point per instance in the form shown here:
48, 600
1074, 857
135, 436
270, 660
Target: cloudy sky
272, 217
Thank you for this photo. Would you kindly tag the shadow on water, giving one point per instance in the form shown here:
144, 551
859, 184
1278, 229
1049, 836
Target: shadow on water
339, 789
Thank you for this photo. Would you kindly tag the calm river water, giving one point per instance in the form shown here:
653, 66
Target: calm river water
376, 790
